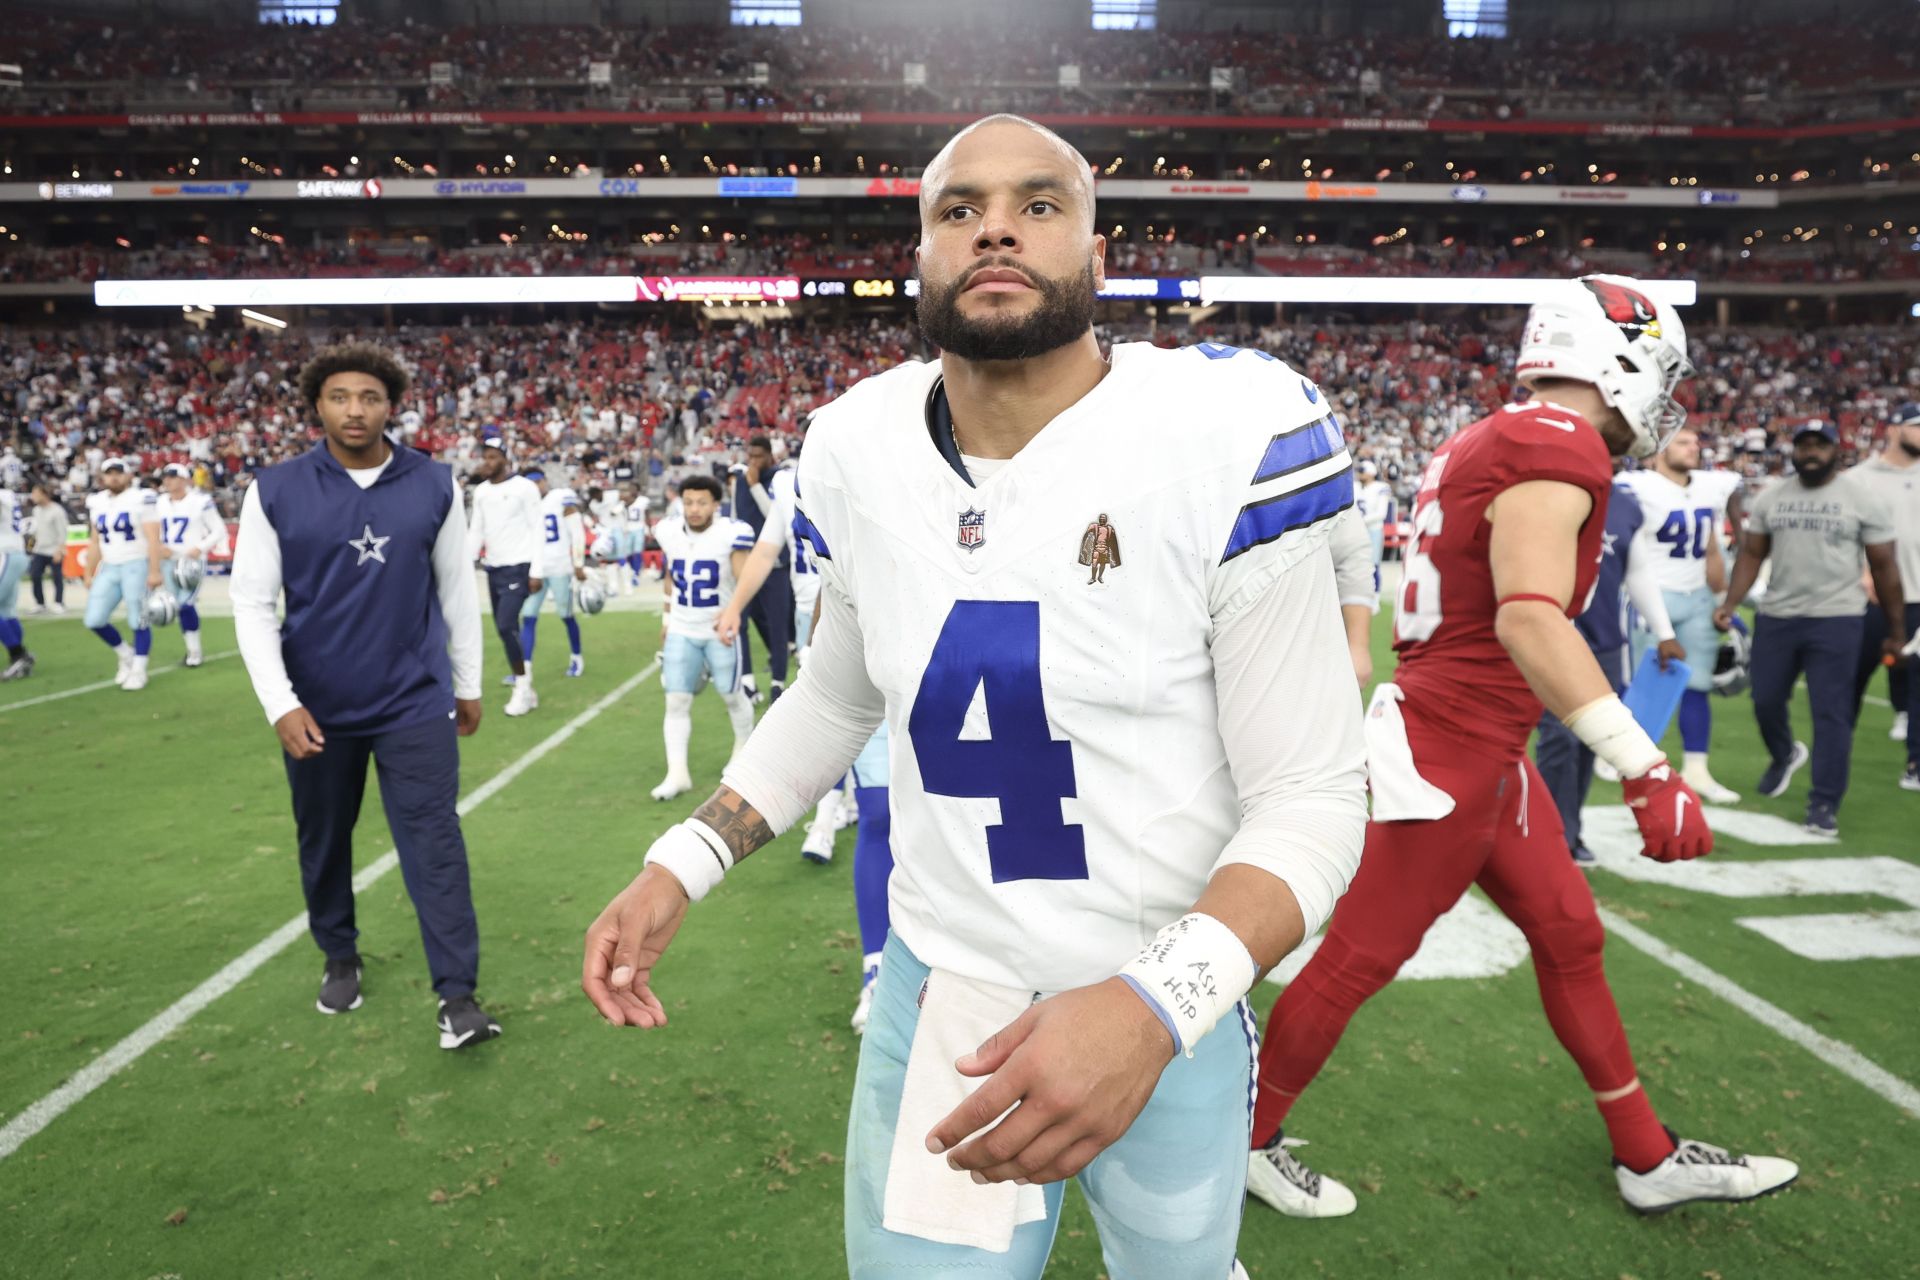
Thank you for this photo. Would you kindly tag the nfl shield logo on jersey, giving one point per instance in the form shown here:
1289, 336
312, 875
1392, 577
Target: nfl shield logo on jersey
973, 529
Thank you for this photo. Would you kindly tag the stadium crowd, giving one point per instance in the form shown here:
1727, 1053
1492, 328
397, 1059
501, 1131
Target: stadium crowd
659, 400
1778, 73
1841, 261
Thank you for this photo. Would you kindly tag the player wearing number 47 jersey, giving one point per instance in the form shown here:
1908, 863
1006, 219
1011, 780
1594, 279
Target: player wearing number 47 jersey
190, 530
1114, 802
705, 552
1507, 536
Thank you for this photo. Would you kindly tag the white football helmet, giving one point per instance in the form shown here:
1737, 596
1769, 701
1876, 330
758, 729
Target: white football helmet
1732, 664
162, 609
188, 571
588, 598
1609, 333
604, 549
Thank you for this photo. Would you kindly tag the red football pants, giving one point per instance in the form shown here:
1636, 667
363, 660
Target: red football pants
1504, 835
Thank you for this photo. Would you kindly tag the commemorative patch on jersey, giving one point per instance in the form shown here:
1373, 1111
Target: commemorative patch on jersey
973, 529
1099, 549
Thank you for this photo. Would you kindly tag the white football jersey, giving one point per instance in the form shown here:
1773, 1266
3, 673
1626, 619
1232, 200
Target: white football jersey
700, 571
1375, 500
13, 522
1681, 523
121, 520
556, 538
1060, 787
782, 530
611, 513
637, 513
191, 524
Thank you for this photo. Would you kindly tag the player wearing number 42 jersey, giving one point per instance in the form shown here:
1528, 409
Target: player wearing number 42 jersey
704, 551
1119, 791
1507, 535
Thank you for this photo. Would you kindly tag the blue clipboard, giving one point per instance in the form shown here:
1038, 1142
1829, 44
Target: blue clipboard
1654, 695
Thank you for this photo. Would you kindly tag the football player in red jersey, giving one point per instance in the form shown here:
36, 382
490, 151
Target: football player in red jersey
1506, 545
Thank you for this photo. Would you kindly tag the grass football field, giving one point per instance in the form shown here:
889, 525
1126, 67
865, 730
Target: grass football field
146, 844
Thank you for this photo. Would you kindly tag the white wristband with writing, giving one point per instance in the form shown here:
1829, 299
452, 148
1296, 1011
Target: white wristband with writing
694, 853
1191, 975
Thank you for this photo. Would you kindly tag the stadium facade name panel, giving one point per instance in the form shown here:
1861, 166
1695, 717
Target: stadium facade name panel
1320, 124
781, 188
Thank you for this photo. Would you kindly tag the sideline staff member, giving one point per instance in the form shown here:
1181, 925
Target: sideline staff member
379, 657
1819, 528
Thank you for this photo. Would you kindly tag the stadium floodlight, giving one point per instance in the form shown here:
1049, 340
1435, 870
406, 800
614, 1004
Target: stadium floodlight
1442, 290
263, 318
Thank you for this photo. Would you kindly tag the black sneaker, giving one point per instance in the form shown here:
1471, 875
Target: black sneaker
464, 1022
1774, 781
1583, 856
775, 690
339, 985
1822, 822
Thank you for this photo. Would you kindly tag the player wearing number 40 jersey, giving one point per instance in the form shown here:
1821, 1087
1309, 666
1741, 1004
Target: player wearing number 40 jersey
1684, 509
1507, 535
1121, 785
704, 551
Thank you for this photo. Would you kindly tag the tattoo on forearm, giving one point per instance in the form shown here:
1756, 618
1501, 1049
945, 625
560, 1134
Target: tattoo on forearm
737, 823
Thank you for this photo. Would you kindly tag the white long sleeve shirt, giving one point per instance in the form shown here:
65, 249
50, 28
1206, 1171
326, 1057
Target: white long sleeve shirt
255, 591
507, 527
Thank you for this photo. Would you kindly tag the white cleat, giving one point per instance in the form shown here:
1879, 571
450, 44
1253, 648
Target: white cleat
818, 846
1277, 1179
136, 680
125, 669
1696, 1171
576, 665
1707, 789
750, 687
1899, 731
522, 701
675, 784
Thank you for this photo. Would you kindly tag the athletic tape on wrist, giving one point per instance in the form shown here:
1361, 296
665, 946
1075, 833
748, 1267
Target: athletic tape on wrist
694, 853
1612, 734
1192, 973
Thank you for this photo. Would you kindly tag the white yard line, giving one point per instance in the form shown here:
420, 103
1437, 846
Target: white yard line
109, 1064
104, 684
1842, 1057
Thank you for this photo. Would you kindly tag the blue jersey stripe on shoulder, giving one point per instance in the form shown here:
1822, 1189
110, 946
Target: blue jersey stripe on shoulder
811, 533
1299, 447
1262, 522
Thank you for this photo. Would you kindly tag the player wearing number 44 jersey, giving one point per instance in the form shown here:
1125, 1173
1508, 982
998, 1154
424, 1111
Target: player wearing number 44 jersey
705, 552
1109, 811
1507, 536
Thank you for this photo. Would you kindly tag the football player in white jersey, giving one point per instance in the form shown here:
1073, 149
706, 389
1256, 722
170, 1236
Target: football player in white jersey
1117, 803
636, 543
562, 562
782, 533
609, 511
190, 529
1373, 497
123, 563
13, 564
705, 552
1685, 509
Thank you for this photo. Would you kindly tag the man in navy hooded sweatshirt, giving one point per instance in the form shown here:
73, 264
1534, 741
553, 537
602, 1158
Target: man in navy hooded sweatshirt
378, 659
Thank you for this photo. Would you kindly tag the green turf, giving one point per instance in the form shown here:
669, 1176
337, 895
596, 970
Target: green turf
147, 842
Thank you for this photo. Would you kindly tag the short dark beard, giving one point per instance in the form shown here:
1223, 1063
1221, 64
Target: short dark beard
1912, 451
1814, 474
1064, 315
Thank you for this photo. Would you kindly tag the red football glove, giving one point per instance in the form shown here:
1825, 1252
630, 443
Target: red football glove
1671, 824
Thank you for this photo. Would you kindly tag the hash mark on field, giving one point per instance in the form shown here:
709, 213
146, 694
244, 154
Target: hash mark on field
104, 684
1842, 1057
115, 1060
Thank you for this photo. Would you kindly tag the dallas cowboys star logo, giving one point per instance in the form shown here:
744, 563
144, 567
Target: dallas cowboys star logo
369, 546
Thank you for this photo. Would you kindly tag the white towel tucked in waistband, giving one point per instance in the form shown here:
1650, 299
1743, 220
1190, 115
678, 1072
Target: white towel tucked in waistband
1400, 794
924, 1197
